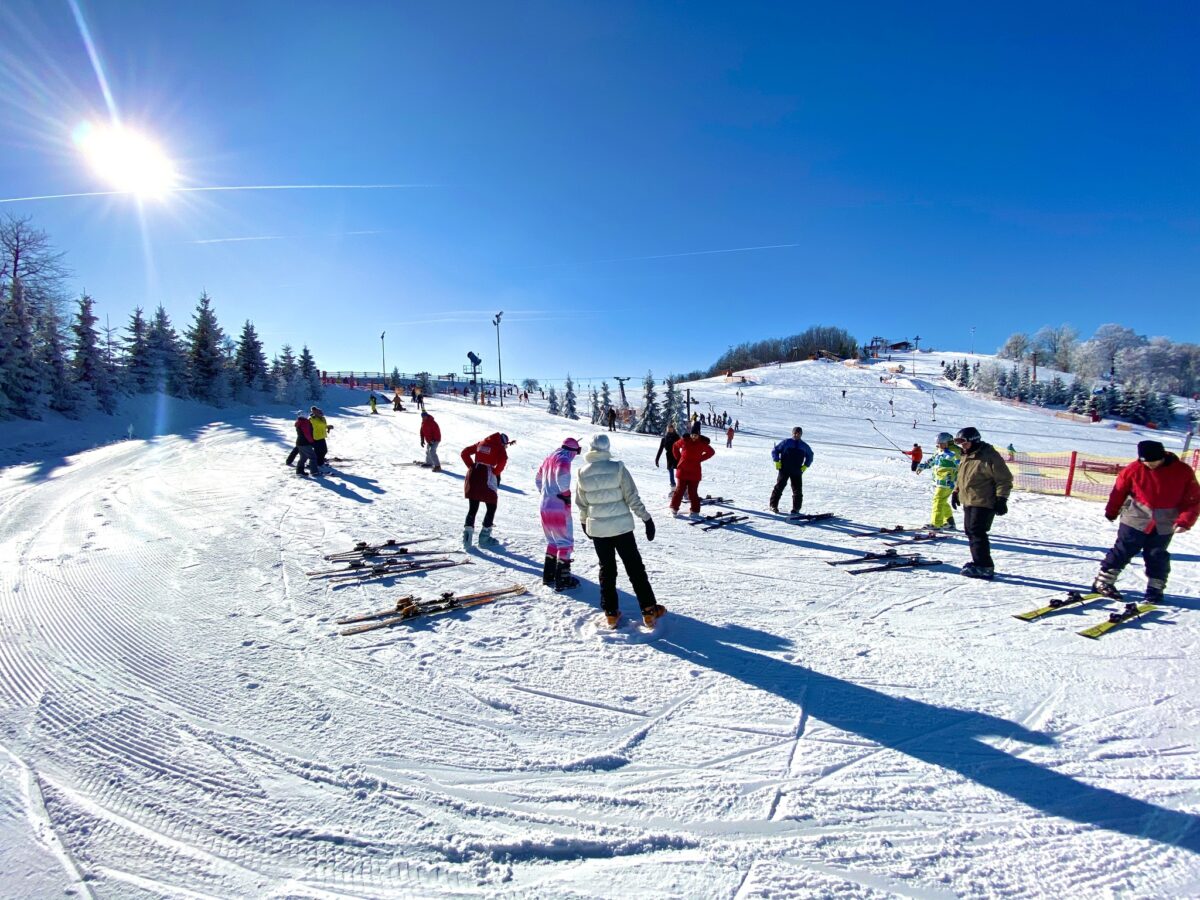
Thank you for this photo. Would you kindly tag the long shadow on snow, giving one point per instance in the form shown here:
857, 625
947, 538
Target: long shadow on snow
512, 560
940, 736
1003, 543
367, 484
340, 489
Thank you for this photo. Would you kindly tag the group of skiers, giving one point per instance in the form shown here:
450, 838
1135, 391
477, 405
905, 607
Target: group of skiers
311, 445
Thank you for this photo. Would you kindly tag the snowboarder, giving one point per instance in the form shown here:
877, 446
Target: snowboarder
484, 461
553, 479
690, 452
607, 499
320, 431
373, 401
729, 436
612, 419
1155, 497
945, 475
304, 445
792, 458
916, 453
670, 436
397, 402
431, 436
984, 483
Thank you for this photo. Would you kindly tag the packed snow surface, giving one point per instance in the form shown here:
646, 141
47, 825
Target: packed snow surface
179, 717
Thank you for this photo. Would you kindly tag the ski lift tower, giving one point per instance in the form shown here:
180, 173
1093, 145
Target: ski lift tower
473, 371
621, 381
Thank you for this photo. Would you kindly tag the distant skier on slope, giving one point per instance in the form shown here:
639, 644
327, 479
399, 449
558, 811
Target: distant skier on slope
792, 458
373, 401
945, 475
916, 453
320, 432
984, 483
690, 451
670, 436
607, 499
1155, 497
553, 479
484, 461
431, 436
304, 445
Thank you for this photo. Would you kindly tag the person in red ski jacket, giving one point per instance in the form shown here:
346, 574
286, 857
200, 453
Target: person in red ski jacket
1155, 497
689, 451
305, 445
917, 455
431, 436
484, 461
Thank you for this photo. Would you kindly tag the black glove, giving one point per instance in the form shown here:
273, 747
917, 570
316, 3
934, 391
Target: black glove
1113, 518
649, 529
565, 498
1000, 507
954, 499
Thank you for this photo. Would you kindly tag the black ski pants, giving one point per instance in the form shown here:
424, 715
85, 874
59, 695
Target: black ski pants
797, 489
1131, 542
291, 460
322, 450
624, 545
488, 516
977, 522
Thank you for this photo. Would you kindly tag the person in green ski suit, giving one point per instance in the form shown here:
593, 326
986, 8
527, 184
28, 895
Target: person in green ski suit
944, 464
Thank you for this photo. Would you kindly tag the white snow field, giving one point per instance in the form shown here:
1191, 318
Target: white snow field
180, 718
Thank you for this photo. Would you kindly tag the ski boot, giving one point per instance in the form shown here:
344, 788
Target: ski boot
1154, 590
949, 526
774, 509
486, 539
970, 570
549, 568
652, 614
613, 619
563, 579
468, 533
1106, 583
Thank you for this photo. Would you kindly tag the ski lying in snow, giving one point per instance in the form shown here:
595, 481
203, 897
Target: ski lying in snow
903, 563
804, 518
710, 500
417, 462
408, 608
1115, 620
871, 557
721, 523
398, 569
917, 538
1071, 598
356, 564
878, 531
711, 518
362, 548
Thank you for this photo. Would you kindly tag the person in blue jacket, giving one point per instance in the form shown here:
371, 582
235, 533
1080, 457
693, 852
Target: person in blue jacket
792, 456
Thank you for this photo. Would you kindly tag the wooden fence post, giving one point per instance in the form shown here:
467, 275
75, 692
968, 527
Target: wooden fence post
1071, 472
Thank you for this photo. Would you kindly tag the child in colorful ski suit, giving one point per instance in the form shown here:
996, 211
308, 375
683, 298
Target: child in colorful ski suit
944, 464
553, 480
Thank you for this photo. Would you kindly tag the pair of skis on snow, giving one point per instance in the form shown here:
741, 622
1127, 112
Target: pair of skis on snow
389, 559
408, 608
887, 561
1116, 619
718, 520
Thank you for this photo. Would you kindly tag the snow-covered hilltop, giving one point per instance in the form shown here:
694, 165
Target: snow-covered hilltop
180, 716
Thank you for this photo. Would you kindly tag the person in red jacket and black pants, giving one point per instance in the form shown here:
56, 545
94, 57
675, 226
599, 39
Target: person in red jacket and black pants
690, 452
484, 461
1155, 497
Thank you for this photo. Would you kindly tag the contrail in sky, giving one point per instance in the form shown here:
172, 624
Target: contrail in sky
231, 187
235, 240
699, 253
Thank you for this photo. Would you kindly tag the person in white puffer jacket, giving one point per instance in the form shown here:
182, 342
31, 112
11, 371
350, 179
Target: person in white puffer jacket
607, 500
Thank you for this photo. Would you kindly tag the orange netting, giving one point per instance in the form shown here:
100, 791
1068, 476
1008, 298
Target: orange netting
1073, 474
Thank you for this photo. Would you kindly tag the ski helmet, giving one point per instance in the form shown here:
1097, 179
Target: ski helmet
945, 437
969, 435
571, 444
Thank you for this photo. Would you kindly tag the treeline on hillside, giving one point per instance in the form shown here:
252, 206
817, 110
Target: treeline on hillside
53, 356
1136, 403
1115, 353
649, 418
808, 343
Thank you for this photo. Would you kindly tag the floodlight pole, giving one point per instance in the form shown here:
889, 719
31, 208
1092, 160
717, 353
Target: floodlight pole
499, 367
383, 354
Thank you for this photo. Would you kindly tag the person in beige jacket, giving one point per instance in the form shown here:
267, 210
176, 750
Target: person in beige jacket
984, 483
607, 500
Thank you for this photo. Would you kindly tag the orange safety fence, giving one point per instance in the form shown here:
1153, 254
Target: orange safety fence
1073, 474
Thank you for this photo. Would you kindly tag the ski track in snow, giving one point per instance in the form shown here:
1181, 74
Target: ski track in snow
179, 716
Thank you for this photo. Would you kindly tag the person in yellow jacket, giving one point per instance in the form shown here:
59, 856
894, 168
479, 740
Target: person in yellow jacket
320, 429
944, 464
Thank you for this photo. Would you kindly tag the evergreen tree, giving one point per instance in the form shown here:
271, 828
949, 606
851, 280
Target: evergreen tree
166, 357
205, 360
394, 378
1164, 413
1024, 388
310, 375
425, 384
595, 407
962, 377
569, 400
139, 377
249, 360
89, 369
552, 402
605, 400
52, 358
20, 384
649, 422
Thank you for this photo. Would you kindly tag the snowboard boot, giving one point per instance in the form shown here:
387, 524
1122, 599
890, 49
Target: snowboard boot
563, 579
949, 526
548, 570
486, 539
1154, 590
1106, 583
652, 614
970, 570
468, 533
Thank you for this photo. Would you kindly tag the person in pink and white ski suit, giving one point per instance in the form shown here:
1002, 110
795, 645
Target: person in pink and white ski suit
554, 481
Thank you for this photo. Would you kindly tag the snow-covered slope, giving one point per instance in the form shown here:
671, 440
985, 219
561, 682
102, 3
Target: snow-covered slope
179, 717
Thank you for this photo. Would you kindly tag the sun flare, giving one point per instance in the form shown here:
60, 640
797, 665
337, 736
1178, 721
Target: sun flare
126, 159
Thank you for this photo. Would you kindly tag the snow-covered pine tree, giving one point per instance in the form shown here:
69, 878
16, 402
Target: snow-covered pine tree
167, 370
136, 355
394, 378
425, 384
310, 375
90, 372
205, 361
671, 402
1024, 387
605, 401
962, 376
250, 360
649, 422
52, 358
595, 407
569, 411
20, 381
552, 402
1164, 412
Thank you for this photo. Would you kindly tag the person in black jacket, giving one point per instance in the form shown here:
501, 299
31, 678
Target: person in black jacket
670, 436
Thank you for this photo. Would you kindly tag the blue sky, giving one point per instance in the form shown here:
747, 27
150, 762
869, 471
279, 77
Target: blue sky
914, 169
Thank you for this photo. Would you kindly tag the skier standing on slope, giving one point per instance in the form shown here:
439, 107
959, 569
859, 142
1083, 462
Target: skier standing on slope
690, 452
670, 436
373, 401
945, 475
431, 436
916, 453
984, 483
612, 419
792, 458
553, 479
320, 431
304, 445
608, 500
484, 461
1155, 497
729, 436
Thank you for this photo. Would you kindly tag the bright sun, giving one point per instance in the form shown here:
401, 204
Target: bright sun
125, 159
